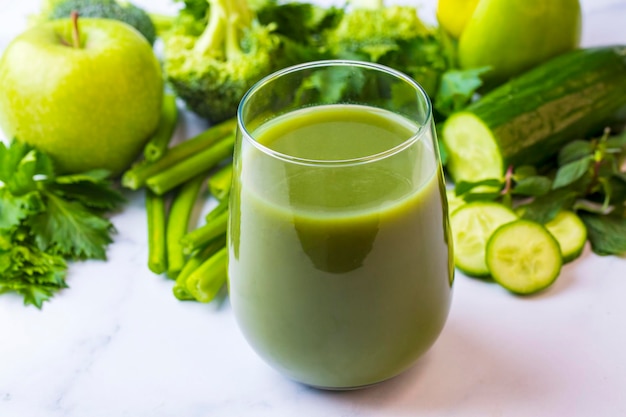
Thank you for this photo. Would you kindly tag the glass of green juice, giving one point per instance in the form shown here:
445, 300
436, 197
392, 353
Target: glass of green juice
340, 256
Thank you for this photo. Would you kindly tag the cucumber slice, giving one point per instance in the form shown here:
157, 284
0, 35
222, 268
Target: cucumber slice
454, 202
472, 225
570, 232
473, 154
523, 257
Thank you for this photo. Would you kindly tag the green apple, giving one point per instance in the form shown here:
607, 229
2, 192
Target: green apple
511, 36
89, 103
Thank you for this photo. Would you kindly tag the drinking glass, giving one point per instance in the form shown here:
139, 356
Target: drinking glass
340, 256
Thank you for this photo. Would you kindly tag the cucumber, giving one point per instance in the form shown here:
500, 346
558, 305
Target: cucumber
528, 119
523, 257
570, 232
472, 225
454, 201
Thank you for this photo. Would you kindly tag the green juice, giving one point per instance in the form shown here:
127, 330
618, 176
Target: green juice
340, 272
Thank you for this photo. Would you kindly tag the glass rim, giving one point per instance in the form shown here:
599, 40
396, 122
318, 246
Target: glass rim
418, 134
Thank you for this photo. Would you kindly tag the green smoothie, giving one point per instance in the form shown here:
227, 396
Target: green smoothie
340, 272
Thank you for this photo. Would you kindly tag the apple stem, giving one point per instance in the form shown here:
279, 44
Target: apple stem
75, 32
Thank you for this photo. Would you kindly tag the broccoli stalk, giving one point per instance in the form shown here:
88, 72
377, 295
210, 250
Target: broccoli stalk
224, 32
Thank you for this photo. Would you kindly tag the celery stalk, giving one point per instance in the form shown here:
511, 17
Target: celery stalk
178, 223
160, 140
192, 166
205, 282
156, 214
137, 176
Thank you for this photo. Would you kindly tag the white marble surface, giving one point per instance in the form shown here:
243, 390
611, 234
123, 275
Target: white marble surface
117, 343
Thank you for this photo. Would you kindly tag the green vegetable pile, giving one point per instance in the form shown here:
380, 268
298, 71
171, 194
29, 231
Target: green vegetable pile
47, 220
493, 152
216, 50
533, 157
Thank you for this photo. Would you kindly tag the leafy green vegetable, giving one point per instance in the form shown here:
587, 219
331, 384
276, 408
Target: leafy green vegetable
457, 88
46, 220
607, 234
304, 23
394, 36
572, 171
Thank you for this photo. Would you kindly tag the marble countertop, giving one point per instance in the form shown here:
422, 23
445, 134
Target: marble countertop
117, 343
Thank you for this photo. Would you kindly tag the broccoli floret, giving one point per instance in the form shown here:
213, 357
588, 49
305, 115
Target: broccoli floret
212, 71
108, 9
390, 35
300, 22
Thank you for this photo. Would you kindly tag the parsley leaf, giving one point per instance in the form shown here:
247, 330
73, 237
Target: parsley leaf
29, 271
456, 89
91, 188
47, 220
70, 229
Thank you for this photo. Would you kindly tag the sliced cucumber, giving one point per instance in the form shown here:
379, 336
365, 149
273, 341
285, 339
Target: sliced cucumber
570, 232
472, 225
454, 201
523, 257
473, 153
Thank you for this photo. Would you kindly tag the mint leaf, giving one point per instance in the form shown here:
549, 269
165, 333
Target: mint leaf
532, 186
571, 172
618, 141
524, 171
607, 234
544, 208
69, 229
574, 150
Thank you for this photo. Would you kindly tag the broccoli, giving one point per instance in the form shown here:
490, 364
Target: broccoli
390, 35
109, 9
212, 70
